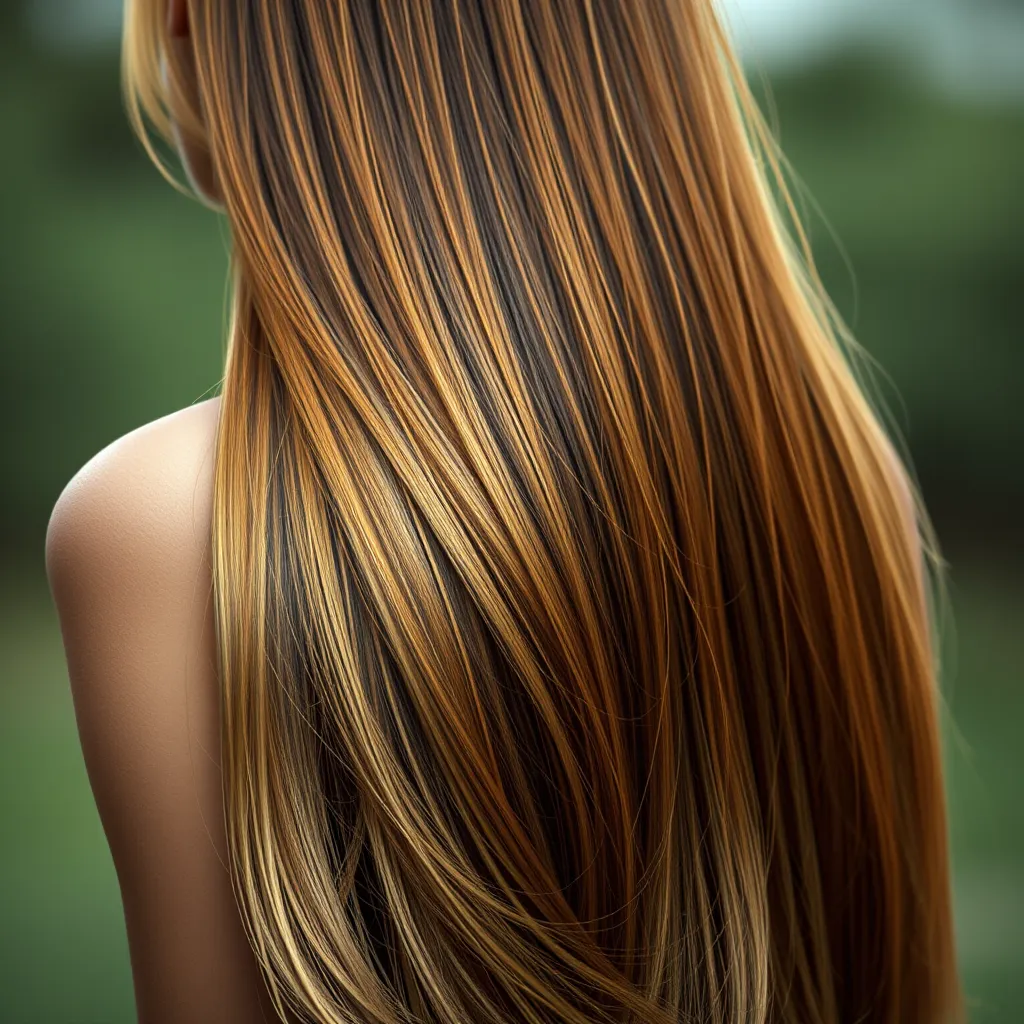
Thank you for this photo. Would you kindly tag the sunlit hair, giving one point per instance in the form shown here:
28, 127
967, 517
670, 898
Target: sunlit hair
578, 654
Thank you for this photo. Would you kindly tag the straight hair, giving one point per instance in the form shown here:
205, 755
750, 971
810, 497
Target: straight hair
578, 652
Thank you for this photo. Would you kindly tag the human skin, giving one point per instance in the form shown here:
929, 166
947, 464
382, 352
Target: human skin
128, 559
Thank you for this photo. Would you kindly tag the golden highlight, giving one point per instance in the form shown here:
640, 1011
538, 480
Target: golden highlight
577, 660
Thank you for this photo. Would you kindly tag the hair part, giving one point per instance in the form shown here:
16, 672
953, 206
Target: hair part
576, 659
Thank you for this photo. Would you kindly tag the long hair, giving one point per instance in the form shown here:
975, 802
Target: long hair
578, 660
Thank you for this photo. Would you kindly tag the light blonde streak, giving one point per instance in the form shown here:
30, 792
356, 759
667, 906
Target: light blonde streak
577, 649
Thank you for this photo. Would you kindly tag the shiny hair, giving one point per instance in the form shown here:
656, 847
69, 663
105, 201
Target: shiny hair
578, 652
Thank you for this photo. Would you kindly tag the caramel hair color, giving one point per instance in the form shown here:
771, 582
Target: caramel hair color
578, 663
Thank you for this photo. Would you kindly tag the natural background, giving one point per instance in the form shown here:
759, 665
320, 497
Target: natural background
904, 120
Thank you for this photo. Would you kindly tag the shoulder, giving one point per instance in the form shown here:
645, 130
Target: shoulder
127, 556
141, 505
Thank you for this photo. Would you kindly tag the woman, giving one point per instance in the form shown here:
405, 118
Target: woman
535, 629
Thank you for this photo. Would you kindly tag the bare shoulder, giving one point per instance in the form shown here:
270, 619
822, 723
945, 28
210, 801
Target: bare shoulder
128, 560
147, 494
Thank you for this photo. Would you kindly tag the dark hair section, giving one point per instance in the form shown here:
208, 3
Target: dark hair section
575, 643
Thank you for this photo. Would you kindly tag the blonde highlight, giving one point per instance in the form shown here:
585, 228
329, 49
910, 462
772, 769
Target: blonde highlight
576, 656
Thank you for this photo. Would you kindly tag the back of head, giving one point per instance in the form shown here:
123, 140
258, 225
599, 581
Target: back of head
575, 656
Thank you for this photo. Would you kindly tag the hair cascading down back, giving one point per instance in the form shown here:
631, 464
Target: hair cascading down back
578, 663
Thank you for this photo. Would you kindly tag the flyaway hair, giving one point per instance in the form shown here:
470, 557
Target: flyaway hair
576, 640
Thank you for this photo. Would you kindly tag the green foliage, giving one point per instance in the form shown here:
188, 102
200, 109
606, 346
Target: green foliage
924, 202
113, 285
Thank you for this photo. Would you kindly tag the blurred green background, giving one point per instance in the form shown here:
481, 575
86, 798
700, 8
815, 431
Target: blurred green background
111, 314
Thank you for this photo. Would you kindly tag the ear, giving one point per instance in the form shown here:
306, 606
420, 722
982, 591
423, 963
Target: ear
192, 141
